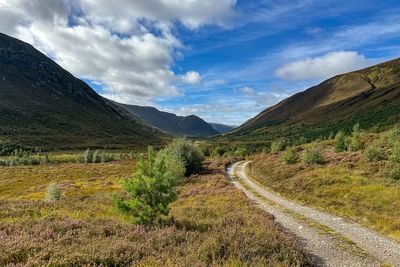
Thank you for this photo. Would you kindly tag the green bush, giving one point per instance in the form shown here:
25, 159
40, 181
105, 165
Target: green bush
374, 154
190, 154
241, 152
391, 137
96, 157
355, 143
152, 188
87, 156
278, 146
53, 193
217, 151
173, 163
395, 153
45, 160
393, 172
313, 156
290, 156
340, 142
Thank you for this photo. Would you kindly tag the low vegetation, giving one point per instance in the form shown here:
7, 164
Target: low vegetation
290, 156
53, 193
20, 157
313, 156
359, 180
210, 223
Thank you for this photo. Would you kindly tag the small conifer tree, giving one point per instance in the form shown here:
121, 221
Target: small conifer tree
151, 189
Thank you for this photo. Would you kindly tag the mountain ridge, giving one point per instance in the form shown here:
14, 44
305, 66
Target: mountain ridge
42, 104
191, 126
342, 100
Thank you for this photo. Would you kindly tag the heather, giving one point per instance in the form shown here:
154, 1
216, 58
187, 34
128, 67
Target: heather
210, 224
359, 181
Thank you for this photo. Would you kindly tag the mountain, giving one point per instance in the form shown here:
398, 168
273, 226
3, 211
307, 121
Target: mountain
42, 104
222, 128
369, 96
192, 126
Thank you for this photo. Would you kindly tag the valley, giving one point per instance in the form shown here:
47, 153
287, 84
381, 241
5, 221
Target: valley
199, 133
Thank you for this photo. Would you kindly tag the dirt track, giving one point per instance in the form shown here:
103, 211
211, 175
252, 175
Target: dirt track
332, 240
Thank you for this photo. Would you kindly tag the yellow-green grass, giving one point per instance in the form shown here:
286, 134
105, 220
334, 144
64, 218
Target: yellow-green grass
346, 185
30, 182
74, 156
211, 223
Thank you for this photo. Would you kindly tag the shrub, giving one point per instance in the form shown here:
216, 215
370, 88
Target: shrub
53, 193
87, 156
289, 156
105, 157
241, 152
217, 151
374, 154
395, 153
340, 142
96, 158
393, 172
45, 160
313, 156
355, 143
277, 146
151, 189
190, 154
391, 137
173, 164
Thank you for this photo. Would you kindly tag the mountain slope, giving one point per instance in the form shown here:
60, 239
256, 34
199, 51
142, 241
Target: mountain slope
369, 96
41, 104
188, 126
222, 128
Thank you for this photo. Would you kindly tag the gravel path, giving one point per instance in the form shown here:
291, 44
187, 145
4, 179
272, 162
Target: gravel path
332, 240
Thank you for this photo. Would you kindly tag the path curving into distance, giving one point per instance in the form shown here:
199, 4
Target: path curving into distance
330, 239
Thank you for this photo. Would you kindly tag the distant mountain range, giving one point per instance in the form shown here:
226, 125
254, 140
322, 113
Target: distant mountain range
222, 128
370, 97
191, 126
42, 104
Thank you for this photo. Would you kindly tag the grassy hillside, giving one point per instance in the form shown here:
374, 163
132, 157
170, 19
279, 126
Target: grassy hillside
211, 224
41, 104
369, 97
192, 126
361, 183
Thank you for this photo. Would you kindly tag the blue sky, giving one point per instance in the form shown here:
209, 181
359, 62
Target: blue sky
266, 36
223, 60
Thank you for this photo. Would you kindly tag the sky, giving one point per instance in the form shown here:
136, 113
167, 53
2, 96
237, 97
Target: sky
224, 60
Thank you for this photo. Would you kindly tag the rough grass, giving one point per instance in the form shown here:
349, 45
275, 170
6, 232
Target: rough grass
347, 185
211, 224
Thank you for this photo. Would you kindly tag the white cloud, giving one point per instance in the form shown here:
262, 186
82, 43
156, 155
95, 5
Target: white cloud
218, 82
322, 67
127, 47
191, 13
246, 90
191, 77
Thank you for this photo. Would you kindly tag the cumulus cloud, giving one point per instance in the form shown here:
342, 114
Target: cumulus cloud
191, 13
191, 77
126, 47
322, 67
